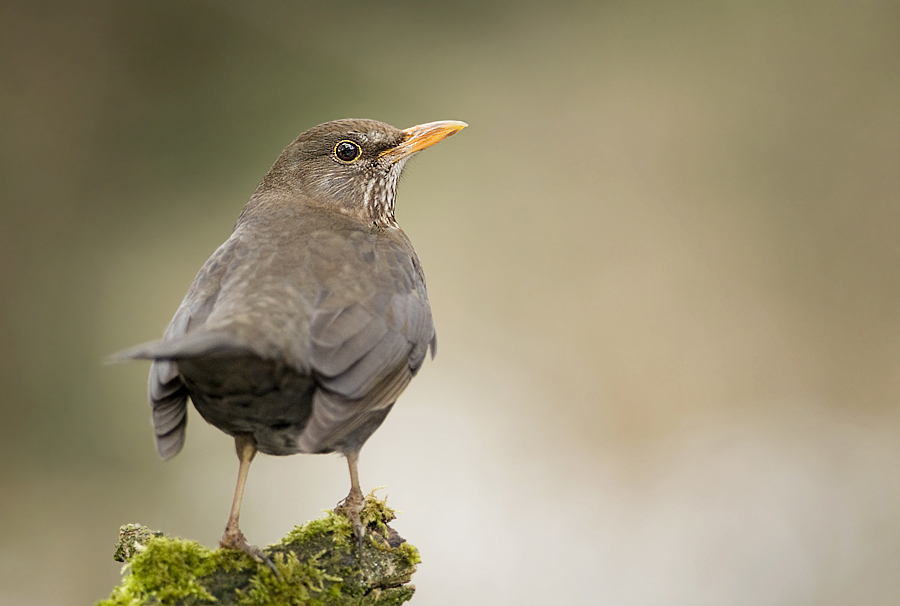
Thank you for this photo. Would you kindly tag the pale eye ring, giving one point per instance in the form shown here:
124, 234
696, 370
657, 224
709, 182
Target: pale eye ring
347, 151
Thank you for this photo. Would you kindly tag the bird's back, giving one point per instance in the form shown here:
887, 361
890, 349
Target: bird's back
301, 329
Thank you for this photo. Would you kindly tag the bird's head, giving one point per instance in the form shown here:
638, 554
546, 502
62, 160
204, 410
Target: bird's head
352, 166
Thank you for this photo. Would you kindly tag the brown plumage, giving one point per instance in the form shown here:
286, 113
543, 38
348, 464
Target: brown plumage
303, 328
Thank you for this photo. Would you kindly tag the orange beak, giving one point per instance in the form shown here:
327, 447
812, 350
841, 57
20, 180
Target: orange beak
422, 136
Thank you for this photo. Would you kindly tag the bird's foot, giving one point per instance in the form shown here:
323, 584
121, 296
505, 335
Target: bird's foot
351, 507
234, 539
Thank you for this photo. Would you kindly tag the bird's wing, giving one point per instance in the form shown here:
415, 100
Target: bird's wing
369, 334
168, 394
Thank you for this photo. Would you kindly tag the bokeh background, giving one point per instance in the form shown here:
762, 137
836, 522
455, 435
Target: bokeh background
664, 262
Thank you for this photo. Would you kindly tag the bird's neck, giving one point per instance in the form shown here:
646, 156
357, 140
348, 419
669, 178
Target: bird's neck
380, 195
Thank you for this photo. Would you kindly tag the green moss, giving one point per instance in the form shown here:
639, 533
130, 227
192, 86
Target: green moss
166, 569
410, 553
318, 565
300, 583
334, 525
337, 526
376, 511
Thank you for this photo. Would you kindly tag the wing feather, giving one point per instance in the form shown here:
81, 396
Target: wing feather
167, 393
366, 351
335, 417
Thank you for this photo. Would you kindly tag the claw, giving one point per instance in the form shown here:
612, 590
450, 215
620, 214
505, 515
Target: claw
236, 540
257, 554
351, 507
360, 533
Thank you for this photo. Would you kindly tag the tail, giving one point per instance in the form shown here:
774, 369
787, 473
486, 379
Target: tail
187, 346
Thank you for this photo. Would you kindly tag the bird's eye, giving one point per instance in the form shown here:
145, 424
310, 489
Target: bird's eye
347, 151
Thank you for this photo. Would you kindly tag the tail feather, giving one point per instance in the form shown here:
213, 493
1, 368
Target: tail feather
187, 346
168, 395
168, 399
170, 444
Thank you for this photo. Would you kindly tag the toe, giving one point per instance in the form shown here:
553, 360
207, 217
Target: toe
351, 508
257, 554
235, 540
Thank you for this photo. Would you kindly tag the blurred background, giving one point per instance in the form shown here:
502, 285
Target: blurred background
663, 260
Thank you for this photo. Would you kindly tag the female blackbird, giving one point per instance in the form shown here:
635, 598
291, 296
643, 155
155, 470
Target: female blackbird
303, 328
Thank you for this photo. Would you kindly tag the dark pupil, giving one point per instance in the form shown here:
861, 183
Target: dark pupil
346, 151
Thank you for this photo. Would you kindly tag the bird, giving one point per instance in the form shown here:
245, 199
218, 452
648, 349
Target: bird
302, 329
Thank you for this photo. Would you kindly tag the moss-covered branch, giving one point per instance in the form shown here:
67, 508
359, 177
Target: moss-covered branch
318, 564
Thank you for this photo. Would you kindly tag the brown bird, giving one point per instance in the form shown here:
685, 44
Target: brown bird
303, 328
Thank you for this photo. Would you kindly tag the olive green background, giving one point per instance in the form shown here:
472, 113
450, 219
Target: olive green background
664, 263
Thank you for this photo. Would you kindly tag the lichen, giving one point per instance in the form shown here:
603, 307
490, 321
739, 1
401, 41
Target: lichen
132, 538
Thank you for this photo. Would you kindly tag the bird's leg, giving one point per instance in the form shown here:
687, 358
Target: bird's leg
233, 537
354, 502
